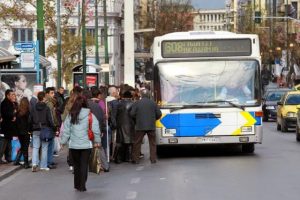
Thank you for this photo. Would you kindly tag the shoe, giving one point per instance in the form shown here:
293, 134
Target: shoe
153, 161
117, 161
3, 162
106, 170
71, 168
52, 166
55, 155
141, 155
135, 162
45, 169
34, 168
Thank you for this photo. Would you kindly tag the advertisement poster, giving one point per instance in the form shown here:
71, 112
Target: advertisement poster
21, 83
91, 79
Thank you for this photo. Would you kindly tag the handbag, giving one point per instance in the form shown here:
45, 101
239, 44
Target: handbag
95, 165
46, 134
90, 132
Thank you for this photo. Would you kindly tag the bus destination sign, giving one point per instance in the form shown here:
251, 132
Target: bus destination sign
206, 48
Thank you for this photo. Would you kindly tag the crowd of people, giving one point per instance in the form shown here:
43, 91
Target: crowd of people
119, 118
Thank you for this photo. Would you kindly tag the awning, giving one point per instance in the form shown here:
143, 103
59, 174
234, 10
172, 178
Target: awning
44, 62
5, 56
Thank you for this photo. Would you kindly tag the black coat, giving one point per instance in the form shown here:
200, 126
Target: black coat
125, 123
145, 112
23, 124
8, 112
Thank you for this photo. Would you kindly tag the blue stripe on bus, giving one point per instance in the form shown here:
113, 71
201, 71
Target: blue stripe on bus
188, 124
258, 119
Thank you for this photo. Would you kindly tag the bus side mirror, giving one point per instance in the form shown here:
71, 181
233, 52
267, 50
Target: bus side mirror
149, 70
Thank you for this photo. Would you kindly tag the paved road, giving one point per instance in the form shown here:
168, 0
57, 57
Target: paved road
195, 173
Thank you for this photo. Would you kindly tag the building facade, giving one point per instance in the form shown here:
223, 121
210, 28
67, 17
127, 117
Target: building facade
20, 31
211, 20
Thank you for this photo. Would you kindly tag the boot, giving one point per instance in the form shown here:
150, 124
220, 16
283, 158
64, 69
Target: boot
26, 163
116, 156
18, 157
128, 156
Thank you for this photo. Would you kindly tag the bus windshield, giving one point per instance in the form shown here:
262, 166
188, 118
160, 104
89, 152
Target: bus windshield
203, 82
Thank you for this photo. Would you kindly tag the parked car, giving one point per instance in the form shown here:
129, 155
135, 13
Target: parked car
287, 110
269, 104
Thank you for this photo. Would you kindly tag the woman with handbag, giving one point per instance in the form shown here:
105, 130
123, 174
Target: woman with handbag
75, 133
23, 125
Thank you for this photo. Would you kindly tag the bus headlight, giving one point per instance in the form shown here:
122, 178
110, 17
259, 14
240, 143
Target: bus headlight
246, 129
169, 132
291, 114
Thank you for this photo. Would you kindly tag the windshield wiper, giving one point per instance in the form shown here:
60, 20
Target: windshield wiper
185, 107
229, 102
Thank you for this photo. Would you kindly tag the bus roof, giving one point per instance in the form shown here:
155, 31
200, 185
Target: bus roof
204, 34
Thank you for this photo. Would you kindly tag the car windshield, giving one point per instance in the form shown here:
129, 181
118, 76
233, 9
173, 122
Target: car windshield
193, 83
275, 95
293, 99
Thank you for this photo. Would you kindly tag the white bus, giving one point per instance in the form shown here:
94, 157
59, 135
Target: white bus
208, 87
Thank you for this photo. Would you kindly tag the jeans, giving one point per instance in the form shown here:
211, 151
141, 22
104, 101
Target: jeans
37, 143
50, 151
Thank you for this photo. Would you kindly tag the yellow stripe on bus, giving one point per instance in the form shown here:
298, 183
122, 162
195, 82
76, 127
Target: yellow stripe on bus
250, 121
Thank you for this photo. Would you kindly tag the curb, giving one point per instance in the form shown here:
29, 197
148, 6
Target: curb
8, 172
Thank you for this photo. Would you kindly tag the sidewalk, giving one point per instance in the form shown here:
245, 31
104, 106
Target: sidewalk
7, 170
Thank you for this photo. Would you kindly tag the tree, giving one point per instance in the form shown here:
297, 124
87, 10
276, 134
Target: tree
168, 16
13, 11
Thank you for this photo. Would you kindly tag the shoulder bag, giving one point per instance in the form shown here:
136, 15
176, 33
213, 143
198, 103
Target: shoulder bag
90, 132
46, 134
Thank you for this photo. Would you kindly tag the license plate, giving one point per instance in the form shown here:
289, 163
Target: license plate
207, 139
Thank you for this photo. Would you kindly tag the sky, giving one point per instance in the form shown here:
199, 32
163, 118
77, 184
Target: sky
208, 4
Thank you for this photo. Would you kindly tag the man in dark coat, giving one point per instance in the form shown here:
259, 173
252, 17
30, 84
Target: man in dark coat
125, 129
8, 125
145, 112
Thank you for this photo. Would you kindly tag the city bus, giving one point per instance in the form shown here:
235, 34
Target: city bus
208, 87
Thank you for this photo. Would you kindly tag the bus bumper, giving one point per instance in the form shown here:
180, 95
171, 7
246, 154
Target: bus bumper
212, 139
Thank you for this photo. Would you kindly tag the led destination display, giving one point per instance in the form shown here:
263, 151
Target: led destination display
206, 48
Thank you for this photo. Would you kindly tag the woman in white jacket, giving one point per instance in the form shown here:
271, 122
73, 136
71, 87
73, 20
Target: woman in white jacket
75, 132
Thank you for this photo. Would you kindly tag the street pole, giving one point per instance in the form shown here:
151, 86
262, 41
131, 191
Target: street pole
96, 34
287, 34
106, 59
41, 34
83, 44
58, 45
129, 73
40, 26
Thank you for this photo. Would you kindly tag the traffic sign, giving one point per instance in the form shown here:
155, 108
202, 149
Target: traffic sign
24, 46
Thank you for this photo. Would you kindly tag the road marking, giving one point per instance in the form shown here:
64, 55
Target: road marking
135, 180
140, 168
131, 195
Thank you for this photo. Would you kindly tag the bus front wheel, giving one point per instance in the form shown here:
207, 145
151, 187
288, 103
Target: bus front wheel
160, 150
248, 148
